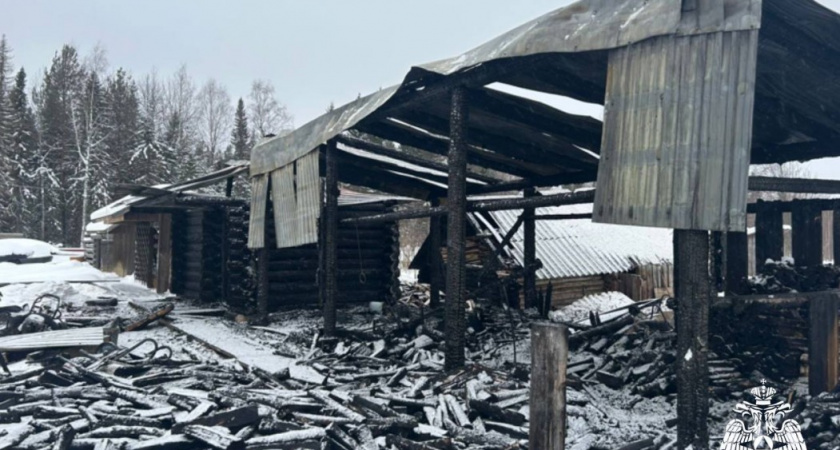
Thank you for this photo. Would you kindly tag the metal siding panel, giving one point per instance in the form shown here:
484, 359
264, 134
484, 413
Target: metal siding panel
256, 225
285, 208
669, 149
308, 184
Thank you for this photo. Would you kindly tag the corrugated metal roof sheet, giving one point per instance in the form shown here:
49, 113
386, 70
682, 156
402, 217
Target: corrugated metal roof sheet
578, 248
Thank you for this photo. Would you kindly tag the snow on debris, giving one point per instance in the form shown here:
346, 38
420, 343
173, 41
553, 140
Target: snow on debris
600, 303
26, 247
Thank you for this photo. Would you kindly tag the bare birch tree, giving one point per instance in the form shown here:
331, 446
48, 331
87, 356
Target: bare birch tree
215, 118
266, 114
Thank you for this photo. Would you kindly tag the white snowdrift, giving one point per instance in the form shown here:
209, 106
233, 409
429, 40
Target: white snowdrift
600, 303
26, 247
52, 271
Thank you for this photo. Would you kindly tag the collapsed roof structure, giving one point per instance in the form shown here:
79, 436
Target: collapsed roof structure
694, 90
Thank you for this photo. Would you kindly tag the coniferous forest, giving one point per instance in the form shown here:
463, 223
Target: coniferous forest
73, 132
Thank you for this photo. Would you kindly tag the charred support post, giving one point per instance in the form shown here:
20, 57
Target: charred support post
549, 352
835, 232
434, 258
229, 187
456, 206
691, 266
769, 234
330, 220
822, 345
737, 261
717, 260
806, 241
530, 251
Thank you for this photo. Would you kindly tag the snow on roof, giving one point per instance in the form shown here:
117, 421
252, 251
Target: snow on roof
26, 247
580, 247
350, 197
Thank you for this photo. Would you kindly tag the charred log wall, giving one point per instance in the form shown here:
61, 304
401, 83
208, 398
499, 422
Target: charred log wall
210, 258
144, 255
368, 263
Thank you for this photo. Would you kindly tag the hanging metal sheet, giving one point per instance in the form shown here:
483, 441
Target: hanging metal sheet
677, 132
296, 193
308, 182
283, 196
256, 226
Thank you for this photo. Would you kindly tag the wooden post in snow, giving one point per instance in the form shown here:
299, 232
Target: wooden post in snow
693, 292
769, 234
822, 343
435, 264
549, 352
330, 221
530, 252
806, 241
456, 206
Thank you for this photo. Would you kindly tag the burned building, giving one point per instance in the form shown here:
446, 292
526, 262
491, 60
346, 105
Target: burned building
577, 257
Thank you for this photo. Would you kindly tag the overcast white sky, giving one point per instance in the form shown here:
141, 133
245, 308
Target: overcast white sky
314, 51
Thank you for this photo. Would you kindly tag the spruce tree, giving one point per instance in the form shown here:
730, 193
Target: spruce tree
124, 136
25, 158
7, 181
240, 135
60, 92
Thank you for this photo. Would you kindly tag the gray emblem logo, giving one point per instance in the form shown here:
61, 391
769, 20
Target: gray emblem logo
759, 429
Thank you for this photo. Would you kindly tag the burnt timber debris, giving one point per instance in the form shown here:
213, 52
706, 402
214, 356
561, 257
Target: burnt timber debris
726, 56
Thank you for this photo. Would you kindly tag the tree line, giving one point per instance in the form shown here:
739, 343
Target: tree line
84, 129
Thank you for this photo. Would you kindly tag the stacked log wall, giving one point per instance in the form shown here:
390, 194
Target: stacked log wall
368, 263
241, 285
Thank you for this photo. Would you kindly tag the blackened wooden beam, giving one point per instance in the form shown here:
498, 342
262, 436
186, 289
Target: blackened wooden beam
796, 185
835, 232
456, 206
562, 216
435, 265
806, 238
693, 293
769, 234
785, 206
716, 260
376, 149
737, 262
574, 198
229, 187
546, 181
822, 343
529, 251
330, 219
549, 355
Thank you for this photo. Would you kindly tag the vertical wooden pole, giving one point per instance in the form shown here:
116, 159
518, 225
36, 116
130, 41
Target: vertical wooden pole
806, 242
717, 261
331, 239
769, 234
164, 275
549, 351
263, 255
434, 258
822, 344
737, 261
229, 187
835, 233
530, 252
456, 206
691, 267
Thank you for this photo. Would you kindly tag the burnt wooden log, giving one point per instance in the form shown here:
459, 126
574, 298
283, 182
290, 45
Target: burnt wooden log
216, 437
487, 409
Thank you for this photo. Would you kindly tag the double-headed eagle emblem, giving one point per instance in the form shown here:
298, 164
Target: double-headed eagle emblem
759, 429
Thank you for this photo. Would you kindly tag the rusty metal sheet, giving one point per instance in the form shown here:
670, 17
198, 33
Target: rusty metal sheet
677, 132
308, 193
256, 225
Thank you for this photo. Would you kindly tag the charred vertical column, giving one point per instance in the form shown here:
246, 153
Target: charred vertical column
456, 230
434, 258
691, 267
835, 233
717, 260
806, 241
229, 187
737, 261
330, 220
549, 353
822, 343
769, 234
530, 251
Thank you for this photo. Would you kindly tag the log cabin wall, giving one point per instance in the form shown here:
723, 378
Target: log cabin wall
145, 253
368, 263
117, 250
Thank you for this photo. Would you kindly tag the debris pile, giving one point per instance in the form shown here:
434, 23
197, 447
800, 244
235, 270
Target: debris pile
819, 418
776, 277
